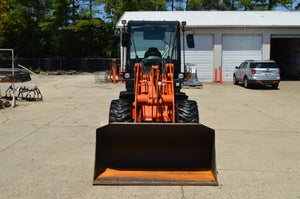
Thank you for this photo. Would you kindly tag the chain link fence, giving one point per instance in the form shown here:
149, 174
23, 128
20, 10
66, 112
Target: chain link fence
49, 64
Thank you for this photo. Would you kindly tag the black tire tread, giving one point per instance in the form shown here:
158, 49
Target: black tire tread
120, 111
187, 111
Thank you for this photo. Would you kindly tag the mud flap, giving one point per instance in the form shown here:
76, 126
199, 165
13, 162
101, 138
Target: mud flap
155, 154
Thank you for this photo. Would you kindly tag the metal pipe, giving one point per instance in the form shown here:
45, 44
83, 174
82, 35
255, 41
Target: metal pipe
183, 24
13, 78
13, 73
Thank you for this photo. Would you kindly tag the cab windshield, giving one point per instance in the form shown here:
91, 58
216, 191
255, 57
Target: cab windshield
156, 40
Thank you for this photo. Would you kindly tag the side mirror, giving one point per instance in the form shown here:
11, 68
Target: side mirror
190, 41
125, 39
236, 67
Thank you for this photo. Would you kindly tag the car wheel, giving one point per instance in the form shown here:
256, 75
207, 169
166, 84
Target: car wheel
274, 86
235, 80
246, 83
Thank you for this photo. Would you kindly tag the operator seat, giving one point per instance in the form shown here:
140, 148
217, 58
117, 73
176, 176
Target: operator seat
152, 57
152, 52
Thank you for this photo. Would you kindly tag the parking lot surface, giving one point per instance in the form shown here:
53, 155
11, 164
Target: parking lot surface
47, 148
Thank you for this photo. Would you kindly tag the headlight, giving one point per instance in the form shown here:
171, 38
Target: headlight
180, 76
126, 75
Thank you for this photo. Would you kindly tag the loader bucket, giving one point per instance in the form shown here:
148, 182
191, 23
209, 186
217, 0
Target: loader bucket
155, 154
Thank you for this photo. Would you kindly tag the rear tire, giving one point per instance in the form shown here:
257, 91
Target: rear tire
120, 111
235, 80
187, 111
274, 86
246, 83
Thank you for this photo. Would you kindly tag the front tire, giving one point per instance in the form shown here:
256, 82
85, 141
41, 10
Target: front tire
120, 111
187, 111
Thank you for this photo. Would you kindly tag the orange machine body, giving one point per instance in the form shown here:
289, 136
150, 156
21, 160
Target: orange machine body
154, 94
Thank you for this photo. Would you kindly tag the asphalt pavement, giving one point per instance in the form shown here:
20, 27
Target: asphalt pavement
47, 149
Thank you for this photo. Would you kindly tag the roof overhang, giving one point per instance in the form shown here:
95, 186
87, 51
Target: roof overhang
218, 19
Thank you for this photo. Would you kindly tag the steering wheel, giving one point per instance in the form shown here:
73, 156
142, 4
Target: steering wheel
151, 60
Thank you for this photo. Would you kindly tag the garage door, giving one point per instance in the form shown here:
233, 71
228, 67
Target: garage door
200, 57
236, 49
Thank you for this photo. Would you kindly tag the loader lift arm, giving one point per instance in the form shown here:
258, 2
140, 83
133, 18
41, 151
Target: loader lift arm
154, 98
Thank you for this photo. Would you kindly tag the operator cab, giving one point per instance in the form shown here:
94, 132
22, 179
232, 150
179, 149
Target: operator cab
152, 43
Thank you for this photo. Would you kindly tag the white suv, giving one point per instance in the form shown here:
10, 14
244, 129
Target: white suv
251, 72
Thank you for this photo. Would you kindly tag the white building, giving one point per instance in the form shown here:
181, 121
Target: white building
226, 38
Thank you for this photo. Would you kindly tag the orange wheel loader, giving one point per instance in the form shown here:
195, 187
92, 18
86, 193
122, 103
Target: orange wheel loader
154, 136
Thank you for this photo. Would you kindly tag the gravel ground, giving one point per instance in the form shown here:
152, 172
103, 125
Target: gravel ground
47, 148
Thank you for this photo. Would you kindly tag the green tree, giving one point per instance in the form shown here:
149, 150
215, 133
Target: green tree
288, 4
89, 38
16, 25
228, 5
297, 7
246, 4
77, 28
56, 18
4, 16
114, 9
203, 5
89, 35
174, 5
153, 5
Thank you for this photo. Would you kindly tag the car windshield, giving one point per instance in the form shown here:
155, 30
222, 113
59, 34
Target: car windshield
263, 65
159, 37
